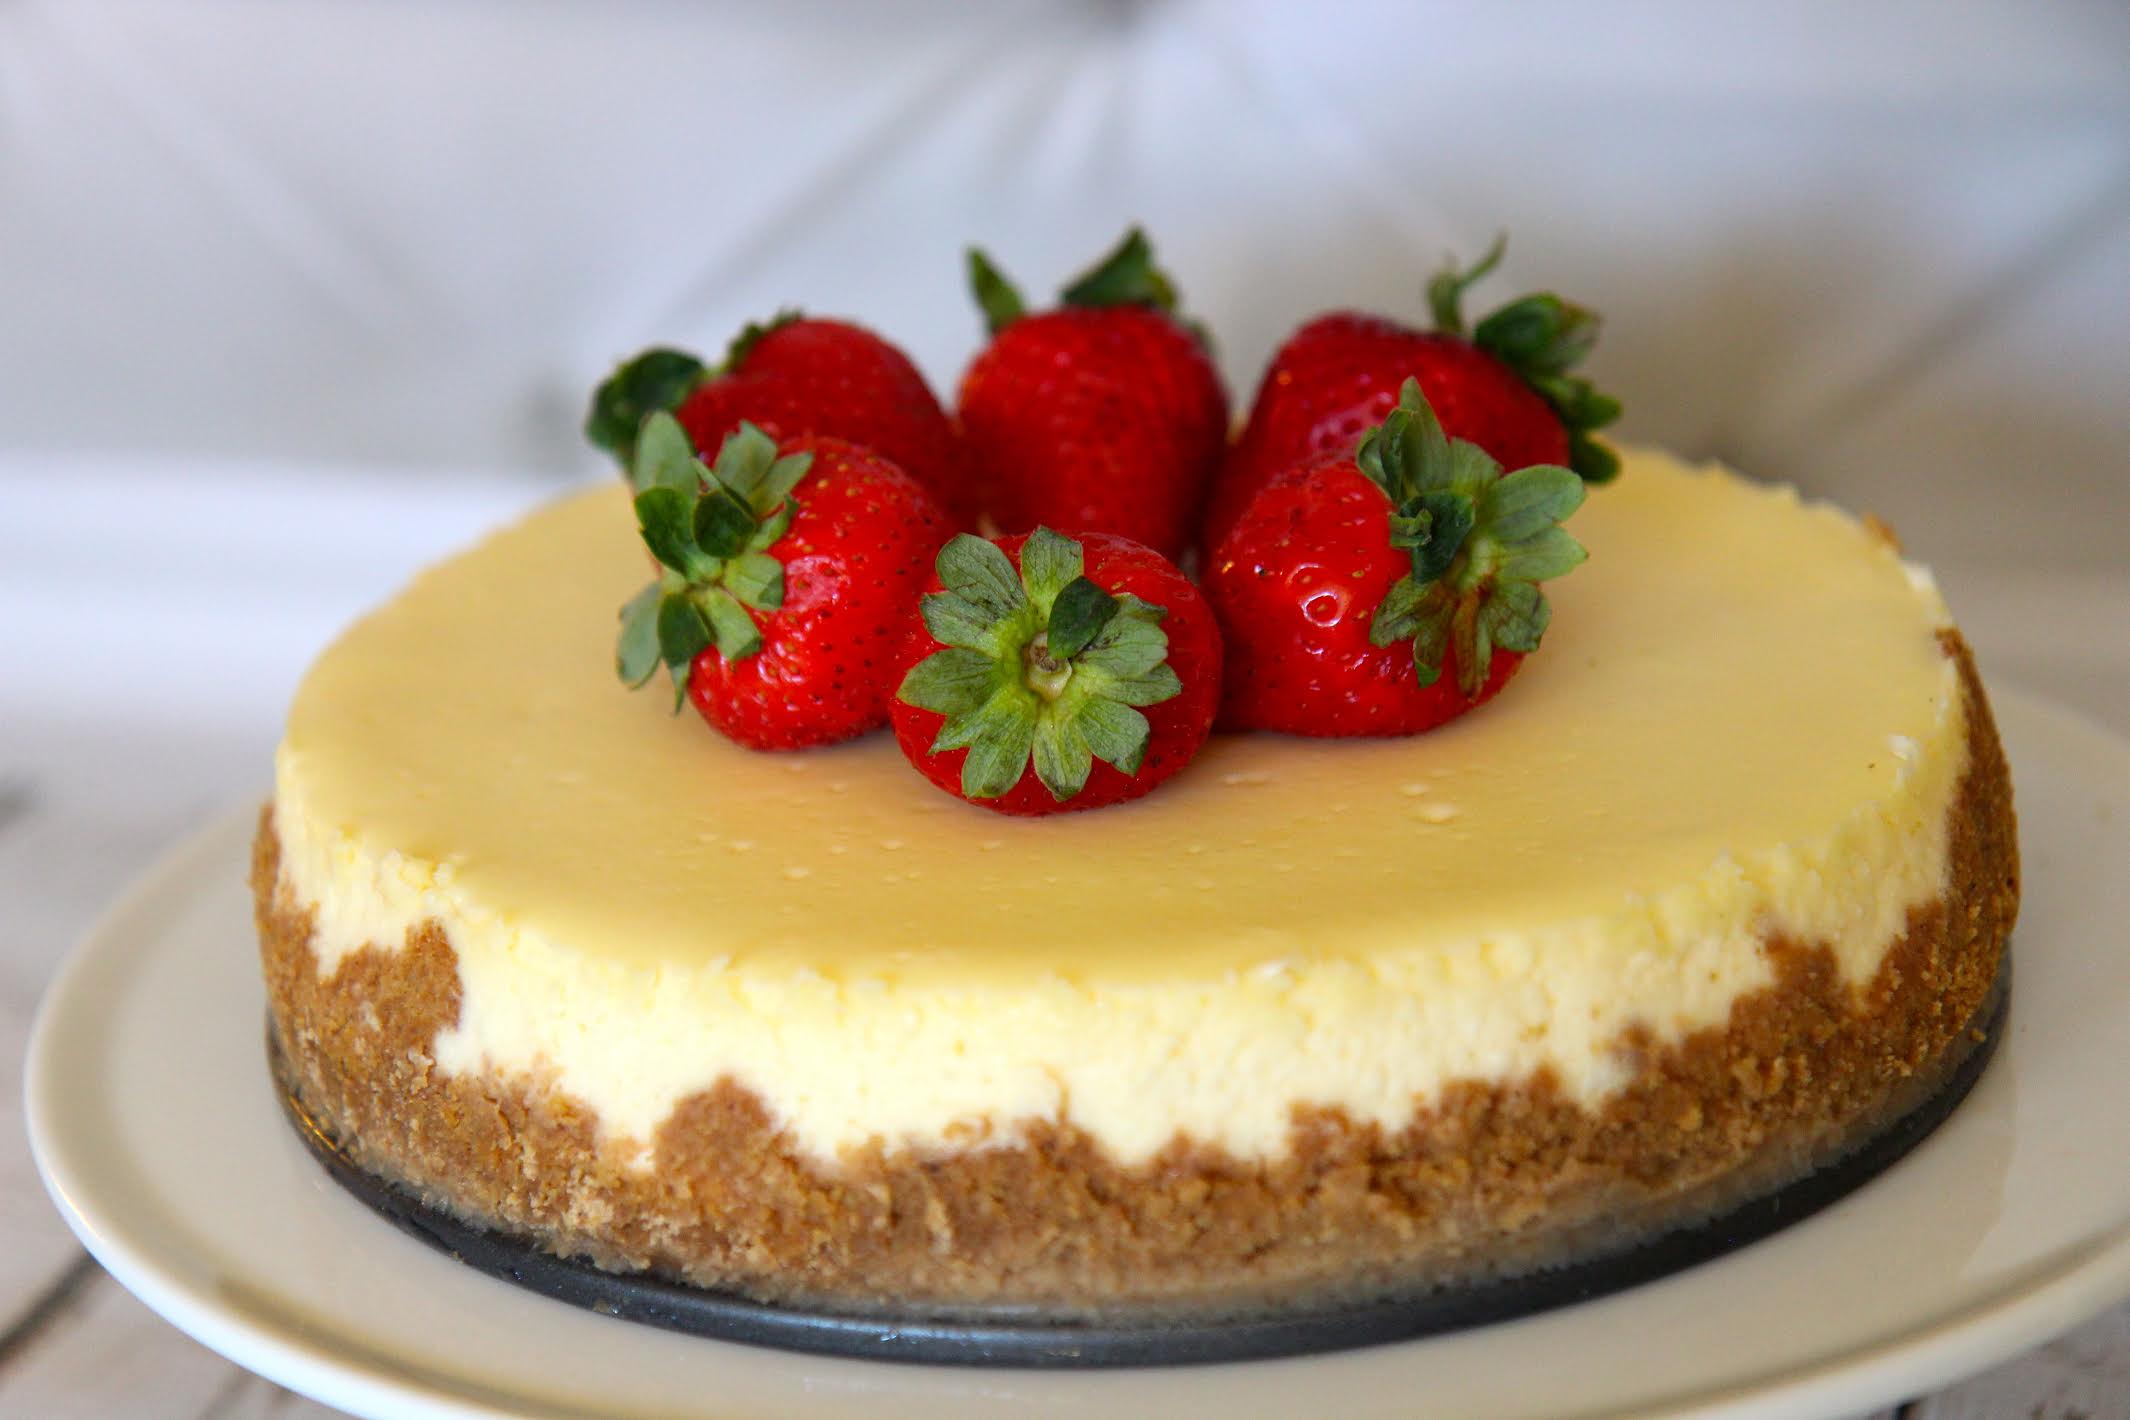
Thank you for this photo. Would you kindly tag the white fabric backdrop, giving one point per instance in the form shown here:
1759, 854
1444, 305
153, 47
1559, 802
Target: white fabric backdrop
1882, 249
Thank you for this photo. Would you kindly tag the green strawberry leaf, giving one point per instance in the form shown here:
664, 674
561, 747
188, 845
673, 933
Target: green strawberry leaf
976, 571
1048, 563
1475, 644
1433, 527
736, 634
1431, 642
636, 653
1528, 501
1130, 644
1407, 454
953, 682
1405, 608
1516, 616
1062, 759
683, 631
664, 458
999, 734
1116, 733
771, 529
1578, 402
995, 295
757, 579
1539, 336
984, 603
1148, 687
955, 621
1126, 276
723, 523
710, 528
996, 760
651, 383
1472, 470
1546, 554
1039, 666
1398, 615
783, 476
1078, 615
663, 517
744, 461
1591, 459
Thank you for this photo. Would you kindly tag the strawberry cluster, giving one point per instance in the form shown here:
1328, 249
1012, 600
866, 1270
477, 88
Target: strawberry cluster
1365, 564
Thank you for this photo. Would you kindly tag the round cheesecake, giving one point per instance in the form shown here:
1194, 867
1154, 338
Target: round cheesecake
1713, 892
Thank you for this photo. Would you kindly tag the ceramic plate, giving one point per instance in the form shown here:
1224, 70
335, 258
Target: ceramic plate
159, 1135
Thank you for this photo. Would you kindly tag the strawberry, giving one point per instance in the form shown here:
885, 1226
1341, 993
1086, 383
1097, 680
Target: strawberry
794, 376
1103, 415
788, 575
1387, 592
1505, 386
1039, 655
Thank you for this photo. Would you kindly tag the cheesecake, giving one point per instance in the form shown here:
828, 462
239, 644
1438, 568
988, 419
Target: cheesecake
1716, 891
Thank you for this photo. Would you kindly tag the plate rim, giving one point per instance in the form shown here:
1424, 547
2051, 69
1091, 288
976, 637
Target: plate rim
2052, 1295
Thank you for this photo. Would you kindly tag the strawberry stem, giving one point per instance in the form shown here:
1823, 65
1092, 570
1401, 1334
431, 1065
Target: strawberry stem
1445, 290
1047, 674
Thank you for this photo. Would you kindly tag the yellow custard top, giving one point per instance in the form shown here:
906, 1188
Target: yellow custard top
1731, 673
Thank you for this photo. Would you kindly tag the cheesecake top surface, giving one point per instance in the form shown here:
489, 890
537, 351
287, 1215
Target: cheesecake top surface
1731, 671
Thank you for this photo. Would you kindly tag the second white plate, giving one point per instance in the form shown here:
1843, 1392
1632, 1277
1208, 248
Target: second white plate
159, 1136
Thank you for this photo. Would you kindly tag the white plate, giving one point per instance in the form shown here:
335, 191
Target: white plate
158, 1135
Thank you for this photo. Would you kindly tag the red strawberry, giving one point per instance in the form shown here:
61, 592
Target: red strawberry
1385, 593
1051, 674
1104, 415
788, 576
794, 376
1505, 387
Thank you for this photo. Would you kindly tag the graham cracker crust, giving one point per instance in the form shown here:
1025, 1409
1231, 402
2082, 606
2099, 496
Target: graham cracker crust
1491, 1179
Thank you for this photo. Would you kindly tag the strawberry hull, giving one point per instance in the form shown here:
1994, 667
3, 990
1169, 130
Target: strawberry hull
786, 575
1177, 723
1296, 586
855, 559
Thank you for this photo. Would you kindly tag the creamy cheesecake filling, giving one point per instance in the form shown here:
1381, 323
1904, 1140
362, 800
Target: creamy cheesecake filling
640, 909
